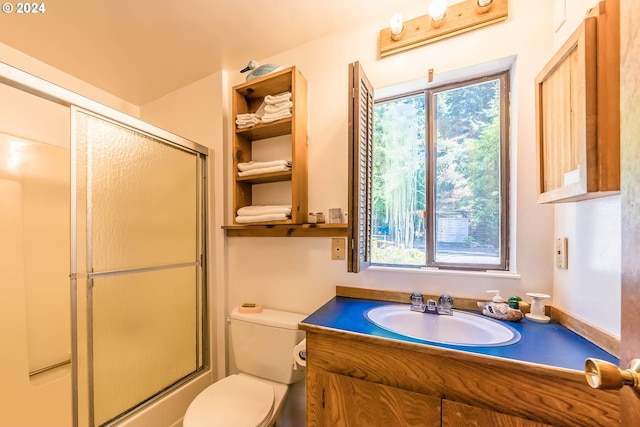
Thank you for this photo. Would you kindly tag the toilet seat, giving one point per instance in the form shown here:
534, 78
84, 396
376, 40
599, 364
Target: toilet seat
235, 401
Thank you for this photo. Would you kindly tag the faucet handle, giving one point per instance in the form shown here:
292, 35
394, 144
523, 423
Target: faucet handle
445, 304
445, 300
417, 298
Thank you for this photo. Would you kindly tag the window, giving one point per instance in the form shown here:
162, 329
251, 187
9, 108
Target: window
437, 192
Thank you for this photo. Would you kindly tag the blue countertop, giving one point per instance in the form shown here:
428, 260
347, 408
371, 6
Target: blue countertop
549, 344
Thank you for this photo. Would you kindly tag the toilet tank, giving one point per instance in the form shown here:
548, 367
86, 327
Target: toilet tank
263, 344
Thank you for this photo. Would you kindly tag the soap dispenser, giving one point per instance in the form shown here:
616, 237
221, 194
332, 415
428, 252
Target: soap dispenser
496, 297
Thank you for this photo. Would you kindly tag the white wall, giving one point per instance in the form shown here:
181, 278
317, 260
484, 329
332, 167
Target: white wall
296, 273
590, 288
299, 275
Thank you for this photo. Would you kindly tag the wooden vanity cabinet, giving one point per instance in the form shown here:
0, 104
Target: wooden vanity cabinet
247, 98
456, 414
578, 113
358, 380
342, 401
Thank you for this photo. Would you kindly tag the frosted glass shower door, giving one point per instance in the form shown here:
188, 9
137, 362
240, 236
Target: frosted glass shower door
139, 281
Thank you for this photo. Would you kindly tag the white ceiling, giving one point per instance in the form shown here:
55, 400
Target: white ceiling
140, 50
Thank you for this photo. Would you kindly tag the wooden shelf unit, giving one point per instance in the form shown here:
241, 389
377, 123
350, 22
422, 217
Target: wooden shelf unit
578, 113
286, 230
247, 98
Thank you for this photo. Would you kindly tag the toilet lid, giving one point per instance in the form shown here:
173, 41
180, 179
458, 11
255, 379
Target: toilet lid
236, 401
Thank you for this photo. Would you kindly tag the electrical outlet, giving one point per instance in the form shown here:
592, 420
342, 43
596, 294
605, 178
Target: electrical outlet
337, 248
562, 244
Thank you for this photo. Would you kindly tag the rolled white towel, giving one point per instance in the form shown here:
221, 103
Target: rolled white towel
264, 170
276, 108
261, 218
264, 210
276, 99
259, 165
268, 118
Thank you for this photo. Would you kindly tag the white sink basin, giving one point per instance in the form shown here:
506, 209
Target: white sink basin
462, 328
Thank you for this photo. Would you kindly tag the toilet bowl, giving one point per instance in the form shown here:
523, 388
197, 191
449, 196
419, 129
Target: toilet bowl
263, 351
239, 400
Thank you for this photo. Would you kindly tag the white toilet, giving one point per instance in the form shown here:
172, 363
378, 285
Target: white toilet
262, 346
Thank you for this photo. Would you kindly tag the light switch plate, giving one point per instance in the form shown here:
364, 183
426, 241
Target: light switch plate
562, 244
337, 248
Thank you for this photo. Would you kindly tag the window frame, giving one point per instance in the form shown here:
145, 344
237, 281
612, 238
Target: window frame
430, 93
355, 241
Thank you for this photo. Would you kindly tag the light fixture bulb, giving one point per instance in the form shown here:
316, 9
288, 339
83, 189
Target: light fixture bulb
396, 24
437, 10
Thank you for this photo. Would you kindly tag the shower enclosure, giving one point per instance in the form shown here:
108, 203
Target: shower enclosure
104, 221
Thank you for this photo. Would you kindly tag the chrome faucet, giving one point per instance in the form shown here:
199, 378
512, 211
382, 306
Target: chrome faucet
443, 306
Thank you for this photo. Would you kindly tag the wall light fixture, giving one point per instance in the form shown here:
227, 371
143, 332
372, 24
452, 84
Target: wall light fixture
437, 11
441, 22
396, 26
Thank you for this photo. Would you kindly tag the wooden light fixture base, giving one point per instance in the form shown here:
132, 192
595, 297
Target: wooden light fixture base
460, 18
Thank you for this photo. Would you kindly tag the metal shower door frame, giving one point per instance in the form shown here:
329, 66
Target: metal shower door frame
29, 83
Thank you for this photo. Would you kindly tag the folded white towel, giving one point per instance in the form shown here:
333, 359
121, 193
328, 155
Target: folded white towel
261, 218
268, 118
246, 125
264, 210
259, 165
247, 120
276, 108
276, 99
251, 121
259, 171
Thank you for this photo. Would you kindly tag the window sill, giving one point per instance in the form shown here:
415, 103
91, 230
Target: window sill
507, 275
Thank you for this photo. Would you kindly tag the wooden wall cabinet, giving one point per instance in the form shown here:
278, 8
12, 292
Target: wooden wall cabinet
578, 113
247, 98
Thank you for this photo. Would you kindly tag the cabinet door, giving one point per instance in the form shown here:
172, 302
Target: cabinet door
460, 415
578, 112
566, 97
339, 401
